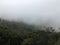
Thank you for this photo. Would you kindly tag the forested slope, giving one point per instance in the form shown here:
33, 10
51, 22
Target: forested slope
19, 33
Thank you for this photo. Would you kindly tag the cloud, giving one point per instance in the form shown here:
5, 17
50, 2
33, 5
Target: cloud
32, 11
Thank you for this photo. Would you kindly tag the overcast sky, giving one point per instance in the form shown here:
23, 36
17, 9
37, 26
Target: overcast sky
33, 11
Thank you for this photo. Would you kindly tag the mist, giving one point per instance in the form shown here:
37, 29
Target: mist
46, 12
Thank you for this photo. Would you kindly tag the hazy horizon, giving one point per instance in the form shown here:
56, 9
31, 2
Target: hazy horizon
32, 11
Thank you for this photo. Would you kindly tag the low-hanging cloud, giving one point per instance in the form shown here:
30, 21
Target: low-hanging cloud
32, 11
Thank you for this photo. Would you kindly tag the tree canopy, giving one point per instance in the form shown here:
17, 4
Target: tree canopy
19, 33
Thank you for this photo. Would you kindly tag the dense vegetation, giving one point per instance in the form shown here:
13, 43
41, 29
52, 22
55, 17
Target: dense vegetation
19, 33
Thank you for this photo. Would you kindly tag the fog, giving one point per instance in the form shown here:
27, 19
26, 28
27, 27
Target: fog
45, 12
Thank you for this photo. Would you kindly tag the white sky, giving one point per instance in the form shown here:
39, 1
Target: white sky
33, 11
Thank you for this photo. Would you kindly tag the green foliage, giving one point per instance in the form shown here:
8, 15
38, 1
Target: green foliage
19, 33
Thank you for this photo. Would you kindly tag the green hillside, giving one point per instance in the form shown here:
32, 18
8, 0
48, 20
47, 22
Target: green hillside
19, 33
